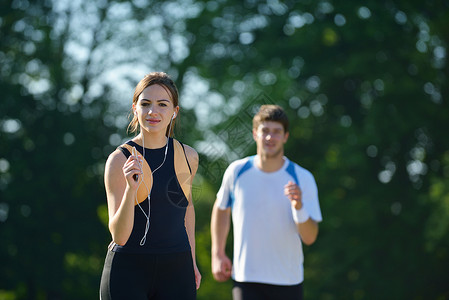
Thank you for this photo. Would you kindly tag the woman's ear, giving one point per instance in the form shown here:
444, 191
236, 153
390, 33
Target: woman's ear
176, 112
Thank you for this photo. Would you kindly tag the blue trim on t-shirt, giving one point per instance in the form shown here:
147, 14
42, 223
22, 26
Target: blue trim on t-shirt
248, 165
291, 171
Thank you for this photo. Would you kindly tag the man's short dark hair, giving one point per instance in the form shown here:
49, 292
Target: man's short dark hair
273, 113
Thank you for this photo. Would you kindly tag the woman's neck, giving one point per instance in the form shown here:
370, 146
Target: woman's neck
151, 141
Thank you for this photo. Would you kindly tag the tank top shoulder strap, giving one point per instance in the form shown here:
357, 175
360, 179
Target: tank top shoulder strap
182, 168
187, 160
124, 150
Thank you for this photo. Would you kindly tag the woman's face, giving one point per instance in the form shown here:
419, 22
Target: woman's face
154, 109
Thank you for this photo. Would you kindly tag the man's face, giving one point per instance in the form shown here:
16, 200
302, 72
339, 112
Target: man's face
270, 139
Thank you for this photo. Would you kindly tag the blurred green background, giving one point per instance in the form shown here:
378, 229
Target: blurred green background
365, 84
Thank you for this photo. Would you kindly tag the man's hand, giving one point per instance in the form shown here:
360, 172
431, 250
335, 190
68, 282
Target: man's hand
293, 193
221, 267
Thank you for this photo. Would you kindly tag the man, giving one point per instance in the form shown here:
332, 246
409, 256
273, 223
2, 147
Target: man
275, 208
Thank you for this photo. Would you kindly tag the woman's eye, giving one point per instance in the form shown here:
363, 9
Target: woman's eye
162, 104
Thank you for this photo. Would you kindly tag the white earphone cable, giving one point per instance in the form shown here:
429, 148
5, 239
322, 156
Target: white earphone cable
147, 216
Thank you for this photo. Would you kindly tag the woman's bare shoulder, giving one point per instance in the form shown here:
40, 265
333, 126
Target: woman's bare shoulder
192, 156
115, 160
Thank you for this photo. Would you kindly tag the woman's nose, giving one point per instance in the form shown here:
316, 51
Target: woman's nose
151, 110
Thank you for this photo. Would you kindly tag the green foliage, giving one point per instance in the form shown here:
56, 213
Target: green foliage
203, 200
365, 86
366, 89
53, 150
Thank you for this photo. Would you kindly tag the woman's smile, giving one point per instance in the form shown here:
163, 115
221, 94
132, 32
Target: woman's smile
153, 121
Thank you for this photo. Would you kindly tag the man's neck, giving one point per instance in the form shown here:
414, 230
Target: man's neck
269, 164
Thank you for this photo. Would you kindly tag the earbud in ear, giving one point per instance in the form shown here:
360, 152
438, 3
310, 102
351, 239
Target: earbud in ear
174, 115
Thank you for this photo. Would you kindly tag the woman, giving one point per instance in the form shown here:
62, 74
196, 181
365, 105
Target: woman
151, 214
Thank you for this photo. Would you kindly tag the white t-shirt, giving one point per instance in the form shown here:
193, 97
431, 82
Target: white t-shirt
267, 246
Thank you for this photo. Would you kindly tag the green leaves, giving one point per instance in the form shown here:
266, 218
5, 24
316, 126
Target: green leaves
364, 85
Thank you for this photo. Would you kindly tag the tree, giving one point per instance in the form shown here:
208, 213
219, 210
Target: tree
66, 68
365, 86
367, 91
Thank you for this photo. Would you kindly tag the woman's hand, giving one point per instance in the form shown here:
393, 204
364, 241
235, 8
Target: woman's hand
132, 169
197, 276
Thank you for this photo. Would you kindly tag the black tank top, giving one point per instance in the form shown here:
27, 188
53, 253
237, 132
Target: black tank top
167, 232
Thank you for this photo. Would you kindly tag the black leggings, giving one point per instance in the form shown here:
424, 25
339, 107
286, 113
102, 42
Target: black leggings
148, 276
261, 291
